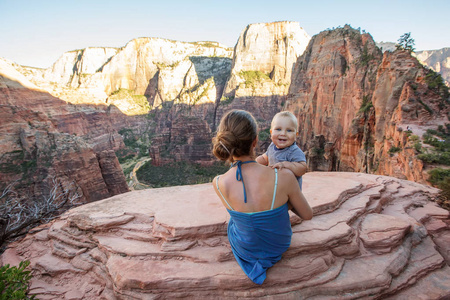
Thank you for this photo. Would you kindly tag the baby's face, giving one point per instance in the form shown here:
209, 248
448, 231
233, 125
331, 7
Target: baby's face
283, 132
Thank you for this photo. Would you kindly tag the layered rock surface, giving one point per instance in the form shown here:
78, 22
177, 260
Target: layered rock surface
371, 237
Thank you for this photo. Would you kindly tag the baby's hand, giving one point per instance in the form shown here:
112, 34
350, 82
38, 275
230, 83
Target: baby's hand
279, 165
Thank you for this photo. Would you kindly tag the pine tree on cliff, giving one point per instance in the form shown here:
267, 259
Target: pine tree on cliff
405, 42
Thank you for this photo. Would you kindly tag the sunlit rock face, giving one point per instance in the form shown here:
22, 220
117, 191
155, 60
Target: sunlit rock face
269, 48
371, 237
162, 70
73, 65
438, 60
354, 104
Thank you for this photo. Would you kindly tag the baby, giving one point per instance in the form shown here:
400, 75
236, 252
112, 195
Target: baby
283, 152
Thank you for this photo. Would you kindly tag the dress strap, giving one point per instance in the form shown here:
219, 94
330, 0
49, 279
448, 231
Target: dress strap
239, 176
275, 188
217, 185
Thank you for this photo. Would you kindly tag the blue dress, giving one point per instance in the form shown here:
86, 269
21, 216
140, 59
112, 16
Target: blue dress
259, 239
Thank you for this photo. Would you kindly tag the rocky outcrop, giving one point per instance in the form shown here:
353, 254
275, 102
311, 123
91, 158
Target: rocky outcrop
269, 50
45, 140
371, 237
353, 103
402, 99
329, 85
72, 66
438, 60
162, 70
386, 46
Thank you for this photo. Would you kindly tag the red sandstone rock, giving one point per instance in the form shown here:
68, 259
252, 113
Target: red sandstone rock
368, 239
44, 138
335, 82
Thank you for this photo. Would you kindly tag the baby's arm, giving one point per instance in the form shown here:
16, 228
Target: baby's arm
262, 159
298, 167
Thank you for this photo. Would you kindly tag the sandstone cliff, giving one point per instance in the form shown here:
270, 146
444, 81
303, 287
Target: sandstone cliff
44, 138
371, 237
72, 66
162, 70
270, 49
353, 103
438, 60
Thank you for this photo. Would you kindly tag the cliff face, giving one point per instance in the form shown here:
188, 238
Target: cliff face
371, 237
159, 69
351, 100
194, 93
438, 60
40, 144
268, 48
352, 103
72, 66
402, 98
330, 82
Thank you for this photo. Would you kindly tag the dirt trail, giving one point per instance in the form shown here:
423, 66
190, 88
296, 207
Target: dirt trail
134, 183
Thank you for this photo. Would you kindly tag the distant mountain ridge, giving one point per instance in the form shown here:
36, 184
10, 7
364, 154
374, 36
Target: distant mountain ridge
438, 60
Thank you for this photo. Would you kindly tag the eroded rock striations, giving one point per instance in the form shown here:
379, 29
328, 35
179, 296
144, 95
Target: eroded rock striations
372, 237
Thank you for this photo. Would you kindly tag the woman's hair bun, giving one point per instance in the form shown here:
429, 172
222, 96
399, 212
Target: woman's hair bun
236, 132
224, 145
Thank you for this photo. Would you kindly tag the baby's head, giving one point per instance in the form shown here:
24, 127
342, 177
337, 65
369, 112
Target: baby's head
283, 129
236, 135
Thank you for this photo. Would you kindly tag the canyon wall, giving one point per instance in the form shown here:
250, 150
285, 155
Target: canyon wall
438, 60
45, 140
354, 103
161, 70
270, 49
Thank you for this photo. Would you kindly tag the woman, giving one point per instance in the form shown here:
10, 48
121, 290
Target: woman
256, 196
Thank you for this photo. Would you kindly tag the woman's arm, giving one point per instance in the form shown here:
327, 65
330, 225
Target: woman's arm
296, 198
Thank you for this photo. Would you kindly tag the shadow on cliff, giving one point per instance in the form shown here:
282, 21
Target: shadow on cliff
39, 131
219, 68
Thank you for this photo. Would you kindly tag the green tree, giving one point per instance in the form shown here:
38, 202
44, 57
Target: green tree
14, 282
405, 42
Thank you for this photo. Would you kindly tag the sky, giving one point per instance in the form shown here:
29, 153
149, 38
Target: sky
37, 32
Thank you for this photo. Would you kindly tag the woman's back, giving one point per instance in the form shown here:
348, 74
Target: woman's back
260, 185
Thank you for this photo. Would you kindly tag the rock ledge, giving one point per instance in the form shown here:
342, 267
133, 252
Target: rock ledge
372, 237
